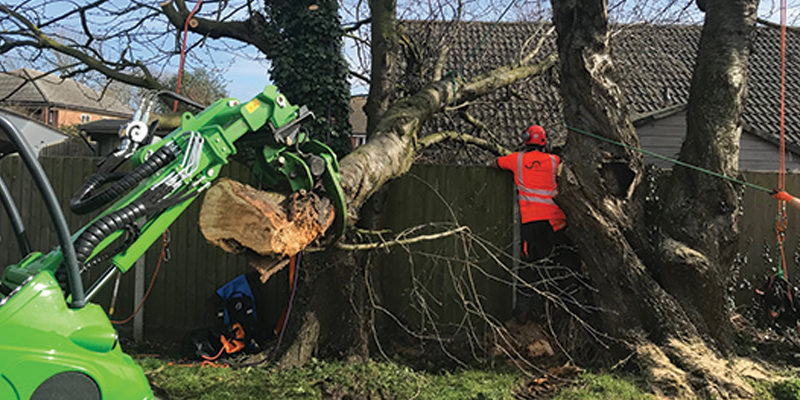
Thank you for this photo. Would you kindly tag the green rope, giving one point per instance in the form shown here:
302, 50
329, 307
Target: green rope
668, 159
452, 74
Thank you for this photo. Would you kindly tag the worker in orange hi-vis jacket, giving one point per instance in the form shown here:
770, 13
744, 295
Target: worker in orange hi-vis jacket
535, 171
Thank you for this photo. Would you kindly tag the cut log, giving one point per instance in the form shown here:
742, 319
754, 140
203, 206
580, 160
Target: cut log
237, 218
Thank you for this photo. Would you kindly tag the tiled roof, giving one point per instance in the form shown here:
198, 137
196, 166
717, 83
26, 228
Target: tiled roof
654, 64
26, 86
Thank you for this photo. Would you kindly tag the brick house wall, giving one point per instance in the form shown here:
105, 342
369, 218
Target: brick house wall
57, 116
73, 117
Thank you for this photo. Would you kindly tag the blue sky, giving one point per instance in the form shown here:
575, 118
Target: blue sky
246, 72
246, 77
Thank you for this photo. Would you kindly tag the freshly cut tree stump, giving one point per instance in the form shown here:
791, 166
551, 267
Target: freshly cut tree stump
271, 226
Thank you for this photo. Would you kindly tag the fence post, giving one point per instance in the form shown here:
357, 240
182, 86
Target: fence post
515, 247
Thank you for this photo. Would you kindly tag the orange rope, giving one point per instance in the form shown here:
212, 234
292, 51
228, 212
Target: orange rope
183, 53
282, 319
152, 281
782, 219
207, 358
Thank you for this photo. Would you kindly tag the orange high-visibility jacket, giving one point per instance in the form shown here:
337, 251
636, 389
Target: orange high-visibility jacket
535, 175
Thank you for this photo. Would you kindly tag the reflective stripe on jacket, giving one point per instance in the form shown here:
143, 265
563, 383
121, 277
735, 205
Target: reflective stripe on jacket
535, 175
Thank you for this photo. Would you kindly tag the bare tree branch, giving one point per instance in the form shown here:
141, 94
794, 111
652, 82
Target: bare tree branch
777, 26
43, 41
526, 58
357, 25
390, 152
251, 31
360, 76
397, 241
439, 137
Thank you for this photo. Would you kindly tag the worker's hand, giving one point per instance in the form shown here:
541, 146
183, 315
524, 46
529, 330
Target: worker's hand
781, 195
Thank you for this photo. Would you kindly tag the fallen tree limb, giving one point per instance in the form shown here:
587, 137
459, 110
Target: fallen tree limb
439, 137
237, 217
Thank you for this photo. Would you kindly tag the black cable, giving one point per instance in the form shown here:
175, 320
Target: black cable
100, 229
53, 208
85, 200
132, 235
285, 321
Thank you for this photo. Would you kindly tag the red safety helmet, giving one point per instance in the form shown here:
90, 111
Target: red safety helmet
535, 135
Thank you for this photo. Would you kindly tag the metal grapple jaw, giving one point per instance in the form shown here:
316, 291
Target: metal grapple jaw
295, 162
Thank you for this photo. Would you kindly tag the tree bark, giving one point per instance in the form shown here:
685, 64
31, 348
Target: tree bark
602, 196
701, 214
383, 30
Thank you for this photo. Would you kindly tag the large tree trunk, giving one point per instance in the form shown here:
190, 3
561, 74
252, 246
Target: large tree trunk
602, 196
701, 211
383, 30
312, 31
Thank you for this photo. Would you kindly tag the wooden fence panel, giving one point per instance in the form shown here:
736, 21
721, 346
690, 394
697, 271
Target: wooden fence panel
479, 197
757, 242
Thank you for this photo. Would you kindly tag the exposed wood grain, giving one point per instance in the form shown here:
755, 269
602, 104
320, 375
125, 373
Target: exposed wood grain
237, 218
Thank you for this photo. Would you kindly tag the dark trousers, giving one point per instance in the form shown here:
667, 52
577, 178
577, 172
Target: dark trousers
540, 243
538, 240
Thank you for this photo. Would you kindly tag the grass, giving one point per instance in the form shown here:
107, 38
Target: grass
321, 379
373, 380
601, 387
788, 389
381, 380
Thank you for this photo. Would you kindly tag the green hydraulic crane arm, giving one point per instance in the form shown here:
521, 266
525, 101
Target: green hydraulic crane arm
174, 170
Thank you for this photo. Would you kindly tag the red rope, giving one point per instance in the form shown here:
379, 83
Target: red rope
207, 358
782, 161
782, 217
183, 52
152, 281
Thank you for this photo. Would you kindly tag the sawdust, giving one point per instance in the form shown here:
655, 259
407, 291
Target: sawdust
528, 340
688, 368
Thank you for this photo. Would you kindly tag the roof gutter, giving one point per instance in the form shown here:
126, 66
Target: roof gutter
646, 118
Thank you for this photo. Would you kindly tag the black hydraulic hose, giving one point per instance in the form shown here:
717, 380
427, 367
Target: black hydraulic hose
16, 220
105, 226
57, 216
84, 200
117, 220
